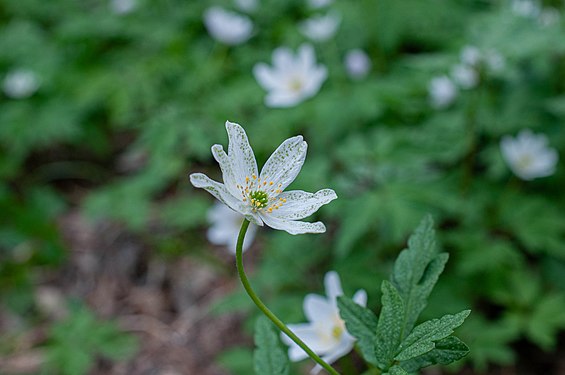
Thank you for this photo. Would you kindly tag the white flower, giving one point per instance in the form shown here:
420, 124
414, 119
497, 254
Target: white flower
471, 55
247, 5
526, 8
494, 60
20, 84
123, 6
325, 333
225, 226
261, 197
528, 155
442, 92
465, 76
357, 63
320, 28
319, 3
549, 17
227, 27
292, 79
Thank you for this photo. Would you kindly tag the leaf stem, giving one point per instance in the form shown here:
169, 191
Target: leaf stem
265, 309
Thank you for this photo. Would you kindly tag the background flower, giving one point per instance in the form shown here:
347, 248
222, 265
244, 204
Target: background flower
227, 27
528, 155
20, 83
442, 92
224, 228
325, 333
292, 78
357, 63
320, 28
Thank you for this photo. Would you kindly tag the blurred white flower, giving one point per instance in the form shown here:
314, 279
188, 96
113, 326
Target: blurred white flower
292, 78
471, 55
357, 63
465, 76
227, 27
442, 92
319, 3
321, 27
20, 83
247, 5
261, 198
325, 333
549, 17
494, 60
123, 6
526, 8
225, 224
528, 155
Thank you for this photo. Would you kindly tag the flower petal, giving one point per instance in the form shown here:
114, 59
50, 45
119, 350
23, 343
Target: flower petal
318, 309
267, 77
333, 286
309, 334
283, 59
291, 226
360, 297
285, 163
240, 153
306, 57
226, 165
300, 204
344, 347
220, 192
316, 78
282, 98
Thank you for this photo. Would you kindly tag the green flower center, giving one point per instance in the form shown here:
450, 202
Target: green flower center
259, 199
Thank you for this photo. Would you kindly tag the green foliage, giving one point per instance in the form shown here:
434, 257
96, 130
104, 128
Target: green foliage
362, 324
269, 356
128, 105
392, 343
75, 342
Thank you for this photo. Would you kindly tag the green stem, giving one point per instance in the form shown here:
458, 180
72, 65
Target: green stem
265, 309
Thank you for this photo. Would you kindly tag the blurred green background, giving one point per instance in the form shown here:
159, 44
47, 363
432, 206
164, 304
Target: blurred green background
106, 106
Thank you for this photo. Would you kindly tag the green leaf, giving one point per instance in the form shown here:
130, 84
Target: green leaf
423, 337
397, 370
389, 328
269, 357
362, 324
547, 320
416, 271
446, 351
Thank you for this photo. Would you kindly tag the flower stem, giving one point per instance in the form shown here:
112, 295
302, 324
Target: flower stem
265, 309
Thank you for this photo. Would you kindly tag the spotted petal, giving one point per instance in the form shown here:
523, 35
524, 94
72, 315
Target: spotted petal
226, 165
300, 204
220, 192
292, 227
240, 153
285, 163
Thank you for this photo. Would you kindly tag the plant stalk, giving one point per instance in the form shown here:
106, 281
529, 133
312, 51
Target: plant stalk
265, 309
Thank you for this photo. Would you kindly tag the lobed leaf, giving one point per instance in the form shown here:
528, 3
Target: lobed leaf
423, 337
362, 324
389, 327
446, 351
416, 272
269, 358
